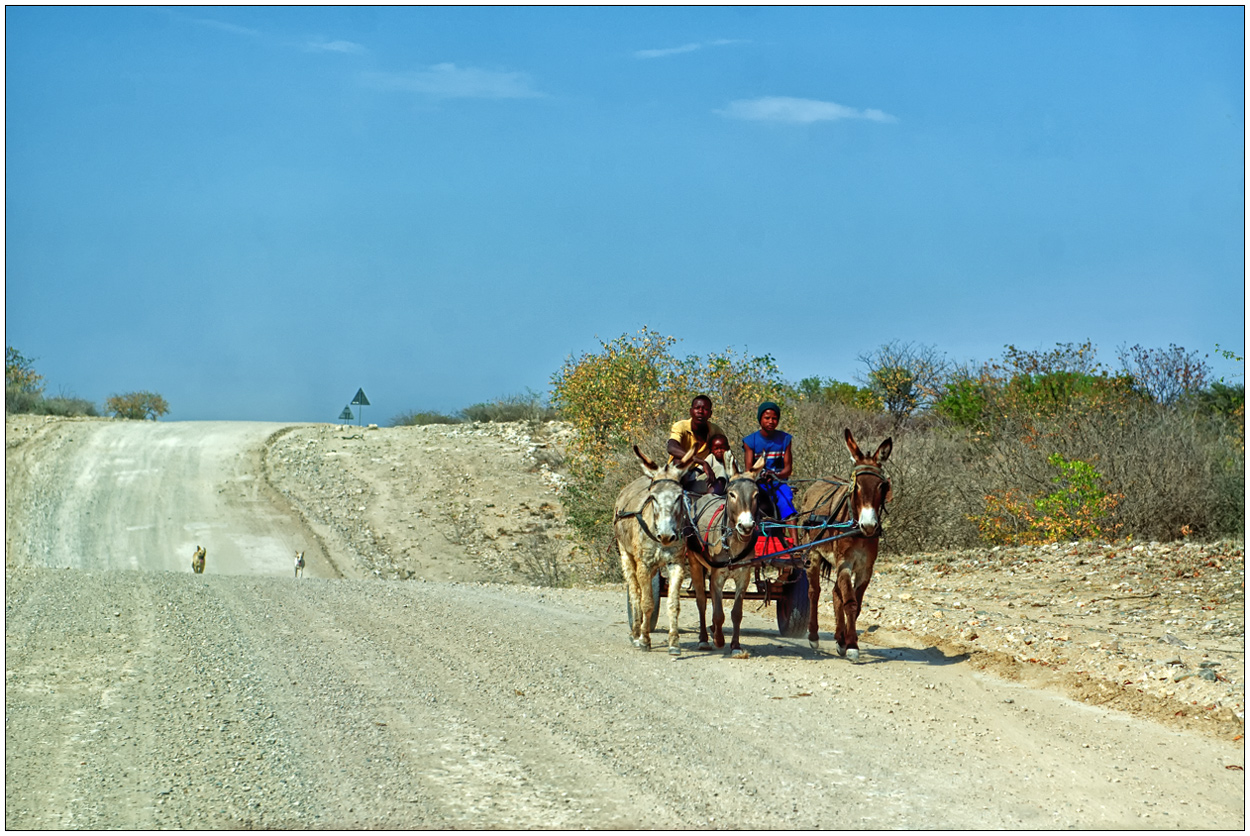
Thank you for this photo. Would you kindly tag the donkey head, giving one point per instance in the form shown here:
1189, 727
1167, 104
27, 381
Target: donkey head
664, 495
742, 495
872, 487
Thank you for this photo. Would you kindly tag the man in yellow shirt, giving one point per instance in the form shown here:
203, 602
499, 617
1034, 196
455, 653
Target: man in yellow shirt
695, 432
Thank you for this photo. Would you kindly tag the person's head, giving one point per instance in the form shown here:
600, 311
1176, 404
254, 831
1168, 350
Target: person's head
769, 416
719, 445
700, 409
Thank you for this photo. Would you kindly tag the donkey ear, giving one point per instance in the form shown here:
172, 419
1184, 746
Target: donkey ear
688, 459
759, 464
883, 452
646, 463
852, 446
731, 464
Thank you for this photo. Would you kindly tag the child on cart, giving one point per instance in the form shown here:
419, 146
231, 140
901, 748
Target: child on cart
716, 461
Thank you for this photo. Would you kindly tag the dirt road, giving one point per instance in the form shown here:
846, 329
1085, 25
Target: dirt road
139, 695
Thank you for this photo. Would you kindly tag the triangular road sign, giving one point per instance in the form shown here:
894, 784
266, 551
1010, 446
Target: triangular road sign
346, 414
360, 398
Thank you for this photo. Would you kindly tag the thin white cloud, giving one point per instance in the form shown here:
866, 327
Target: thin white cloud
335, 46
660, 53
224, 27
677, 50
798, 111
447, 81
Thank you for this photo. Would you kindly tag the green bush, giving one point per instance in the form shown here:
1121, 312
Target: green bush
18, 401
527, 407
68, 407
421, 419
137, 406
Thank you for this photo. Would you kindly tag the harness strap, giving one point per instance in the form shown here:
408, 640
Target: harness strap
637, 515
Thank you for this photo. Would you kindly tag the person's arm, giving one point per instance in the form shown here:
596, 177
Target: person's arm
748, 456
676, 448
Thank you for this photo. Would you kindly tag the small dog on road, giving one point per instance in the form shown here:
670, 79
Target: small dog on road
197, 560
299, 564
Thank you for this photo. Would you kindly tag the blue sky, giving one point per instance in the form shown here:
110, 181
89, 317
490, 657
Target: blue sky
257, 211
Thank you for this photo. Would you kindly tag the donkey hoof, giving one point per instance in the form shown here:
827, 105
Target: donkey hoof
842, 650
674, 651
815, 644
739, 654
705, 645
853, 654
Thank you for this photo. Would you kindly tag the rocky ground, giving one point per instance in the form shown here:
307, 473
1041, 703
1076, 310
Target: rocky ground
440, 502
1156, 629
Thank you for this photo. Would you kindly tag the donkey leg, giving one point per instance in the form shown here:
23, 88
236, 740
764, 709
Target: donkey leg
853, 608
630, 571
740, 587
718, 608
700, 597
646, 606
813, 599
674, 607
844, 597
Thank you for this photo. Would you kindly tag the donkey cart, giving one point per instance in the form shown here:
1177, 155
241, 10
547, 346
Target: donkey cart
787, 587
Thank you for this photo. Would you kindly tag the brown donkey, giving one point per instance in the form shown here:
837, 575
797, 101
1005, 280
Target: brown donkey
723, 534
849, 560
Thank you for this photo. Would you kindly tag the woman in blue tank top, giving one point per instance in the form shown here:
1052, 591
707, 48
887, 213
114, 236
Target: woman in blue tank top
774, 446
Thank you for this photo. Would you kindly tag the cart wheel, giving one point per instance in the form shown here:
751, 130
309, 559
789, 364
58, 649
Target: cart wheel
655, 596
793, 608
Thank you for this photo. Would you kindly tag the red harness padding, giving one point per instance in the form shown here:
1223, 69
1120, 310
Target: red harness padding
707, 537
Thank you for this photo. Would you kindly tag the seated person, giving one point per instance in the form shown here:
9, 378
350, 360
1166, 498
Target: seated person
701, 482
774, 445
695, 433
720, 467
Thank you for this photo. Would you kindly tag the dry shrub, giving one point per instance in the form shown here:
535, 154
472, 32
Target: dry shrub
926, 511
1170, 470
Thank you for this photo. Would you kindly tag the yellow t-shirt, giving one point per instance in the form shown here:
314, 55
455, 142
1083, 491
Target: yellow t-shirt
682, 432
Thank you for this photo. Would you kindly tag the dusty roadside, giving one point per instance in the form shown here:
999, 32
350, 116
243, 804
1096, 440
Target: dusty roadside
364, 696
1153, 629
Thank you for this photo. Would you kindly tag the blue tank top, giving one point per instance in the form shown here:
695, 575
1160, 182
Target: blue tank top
772, 449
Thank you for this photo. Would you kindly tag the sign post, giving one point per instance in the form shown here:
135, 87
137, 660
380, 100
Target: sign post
361, 401
346, 414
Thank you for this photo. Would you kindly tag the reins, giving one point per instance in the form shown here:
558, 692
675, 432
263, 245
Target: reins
824, 524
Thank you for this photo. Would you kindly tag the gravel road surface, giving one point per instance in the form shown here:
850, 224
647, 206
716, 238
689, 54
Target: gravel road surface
139, 695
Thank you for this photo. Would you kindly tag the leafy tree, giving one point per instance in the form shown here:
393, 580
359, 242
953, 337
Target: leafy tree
1064, 357
830, 391
1025, 386
613, 395
20, 374
138, 406
906, 377
1166, 374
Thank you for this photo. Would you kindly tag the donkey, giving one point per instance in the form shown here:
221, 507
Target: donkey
849, 559
299, 564
723, 532
648, 524
197, 560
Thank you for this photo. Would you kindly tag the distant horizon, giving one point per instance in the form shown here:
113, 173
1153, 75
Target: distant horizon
257, 210
1233, 375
